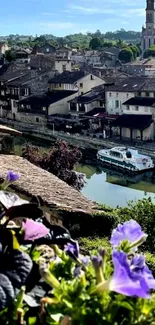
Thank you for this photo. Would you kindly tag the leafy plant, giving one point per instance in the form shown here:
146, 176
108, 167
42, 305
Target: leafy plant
60, 161
46, 278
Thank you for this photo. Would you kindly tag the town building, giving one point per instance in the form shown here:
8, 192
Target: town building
44, 49
90, 101
18, 85
133, 100
75, 80
148, 32
145, 67
36, 109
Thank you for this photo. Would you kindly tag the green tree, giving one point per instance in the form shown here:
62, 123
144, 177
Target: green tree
10, 55
107, 44
125, 55
120, 43
150, 52
95, 43
135, 51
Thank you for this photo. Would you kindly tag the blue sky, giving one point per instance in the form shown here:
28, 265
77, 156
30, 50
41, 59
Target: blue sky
61, 17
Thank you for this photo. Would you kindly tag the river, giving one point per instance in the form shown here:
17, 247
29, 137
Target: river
106, 186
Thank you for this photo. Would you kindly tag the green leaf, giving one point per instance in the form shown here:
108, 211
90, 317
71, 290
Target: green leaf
32, 320
126, 305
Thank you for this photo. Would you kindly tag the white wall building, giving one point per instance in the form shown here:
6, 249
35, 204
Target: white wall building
76, 80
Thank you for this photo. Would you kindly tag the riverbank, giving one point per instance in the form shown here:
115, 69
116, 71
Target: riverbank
88, 145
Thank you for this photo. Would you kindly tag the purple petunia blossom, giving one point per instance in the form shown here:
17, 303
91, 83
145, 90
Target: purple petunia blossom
123, 281
72, 250
131, 277
138, 268
12, 177
129, 230
34, 230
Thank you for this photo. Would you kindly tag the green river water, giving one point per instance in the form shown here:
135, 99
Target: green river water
105, 186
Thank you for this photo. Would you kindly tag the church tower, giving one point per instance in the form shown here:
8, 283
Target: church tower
148, 32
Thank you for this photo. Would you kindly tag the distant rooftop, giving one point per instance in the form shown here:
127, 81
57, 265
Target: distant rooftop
68, 77
46, 100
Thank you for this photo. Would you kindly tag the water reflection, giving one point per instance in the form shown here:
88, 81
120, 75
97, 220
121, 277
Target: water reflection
112, 188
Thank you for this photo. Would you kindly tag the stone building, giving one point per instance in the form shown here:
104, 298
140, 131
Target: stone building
148, 32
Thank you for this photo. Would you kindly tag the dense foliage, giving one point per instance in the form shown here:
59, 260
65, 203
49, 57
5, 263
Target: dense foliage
150, 52
60, 161
46, 279
126, 55
77, 40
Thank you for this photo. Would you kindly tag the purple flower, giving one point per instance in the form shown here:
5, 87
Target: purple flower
130, 230
131, 277
85, 260
138, 268
72, 250
34, 230
124, 281
77, 271
97, 261
12, 177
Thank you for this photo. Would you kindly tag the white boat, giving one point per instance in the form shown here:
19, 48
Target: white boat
126, 158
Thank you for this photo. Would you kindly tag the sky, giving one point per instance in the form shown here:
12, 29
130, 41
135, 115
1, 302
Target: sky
62, 17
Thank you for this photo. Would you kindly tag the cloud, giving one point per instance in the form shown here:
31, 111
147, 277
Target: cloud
139, 12
92, 10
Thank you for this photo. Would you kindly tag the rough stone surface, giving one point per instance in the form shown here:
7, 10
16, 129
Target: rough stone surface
36, 181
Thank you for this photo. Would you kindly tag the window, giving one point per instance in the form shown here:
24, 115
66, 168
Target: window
14, 103
47, 49
147, 94
37, 119
60, 85
116, 103
22, 92
110, 94
116, 94
127, 95
91, 77
136, 108
128, 108
100, 103
81, 85
139, 94
64, 67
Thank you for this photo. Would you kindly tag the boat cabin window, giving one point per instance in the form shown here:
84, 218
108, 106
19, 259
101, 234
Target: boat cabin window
128, 154
116, 154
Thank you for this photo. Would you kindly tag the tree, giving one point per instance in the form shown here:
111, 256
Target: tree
10, 55
120, 44
135, 51
107, 44
125, 55
95, 43
60, 161
150, 52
